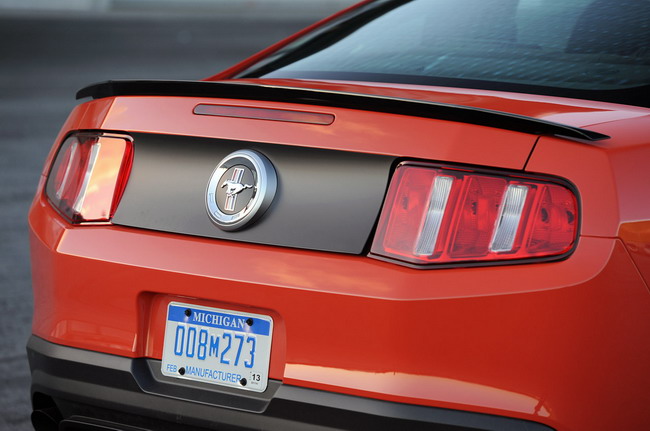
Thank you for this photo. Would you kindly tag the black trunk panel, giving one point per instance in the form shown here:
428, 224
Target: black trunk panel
326, 200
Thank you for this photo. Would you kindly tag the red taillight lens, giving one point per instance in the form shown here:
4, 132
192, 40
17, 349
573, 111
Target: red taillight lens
435, 215
89, 175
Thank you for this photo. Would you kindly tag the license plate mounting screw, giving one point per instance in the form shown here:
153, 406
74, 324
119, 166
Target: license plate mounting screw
243, 382
188, 312
181, 371
250, 321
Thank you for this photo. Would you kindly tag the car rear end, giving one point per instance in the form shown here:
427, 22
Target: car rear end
357, 329
291, 254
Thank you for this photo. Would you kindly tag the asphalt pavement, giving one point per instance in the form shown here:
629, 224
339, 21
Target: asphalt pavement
45, 57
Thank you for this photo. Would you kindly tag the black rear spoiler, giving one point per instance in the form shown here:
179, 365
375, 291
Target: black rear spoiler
366, 102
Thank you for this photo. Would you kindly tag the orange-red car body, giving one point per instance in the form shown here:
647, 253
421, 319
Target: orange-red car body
561, 343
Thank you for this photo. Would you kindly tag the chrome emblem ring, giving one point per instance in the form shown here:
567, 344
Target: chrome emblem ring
240, 189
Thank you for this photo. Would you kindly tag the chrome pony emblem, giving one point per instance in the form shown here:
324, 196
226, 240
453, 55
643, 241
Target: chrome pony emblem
240, 189
233, 187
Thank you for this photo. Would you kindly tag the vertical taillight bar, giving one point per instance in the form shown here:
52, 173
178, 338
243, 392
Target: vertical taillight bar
509, 217
433, 218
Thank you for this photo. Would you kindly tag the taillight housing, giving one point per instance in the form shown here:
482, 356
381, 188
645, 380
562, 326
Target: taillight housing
88, 176
443, 215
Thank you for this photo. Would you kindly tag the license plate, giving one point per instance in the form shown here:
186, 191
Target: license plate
212, 345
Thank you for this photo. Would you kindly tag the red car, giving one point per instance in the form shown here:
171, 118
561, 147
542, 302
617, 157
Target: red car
418, 214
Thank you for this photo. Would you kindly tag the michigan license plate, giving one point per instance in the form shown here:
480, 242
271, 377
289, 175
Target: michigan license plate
213, 345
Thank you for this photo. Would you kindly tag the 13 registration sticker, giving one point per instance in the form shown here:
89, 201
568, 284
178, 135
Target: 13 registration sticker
213, 345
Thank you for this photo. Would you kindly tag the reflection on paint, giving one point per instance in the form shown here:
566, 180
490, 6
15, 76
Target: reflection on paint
425, 387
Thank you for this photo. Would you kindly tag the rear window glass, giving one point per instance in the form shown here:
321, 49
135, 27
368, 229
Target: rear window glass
577, 48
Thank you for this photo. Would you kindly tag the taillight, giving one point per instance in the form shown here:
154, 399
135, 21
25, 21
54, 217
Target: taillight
438, 215
89, 175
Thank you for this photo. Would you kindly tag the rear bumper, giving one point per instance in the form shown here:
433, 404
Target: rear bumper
89, 387
563, 343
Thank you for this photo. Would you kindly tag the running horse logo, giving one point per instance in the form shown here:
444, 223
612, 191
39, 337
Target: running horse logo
240, 189
234, 187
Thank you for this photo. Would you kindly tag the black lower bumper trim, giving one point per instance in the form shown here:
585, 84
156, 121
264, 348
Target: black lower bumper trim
88, 387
